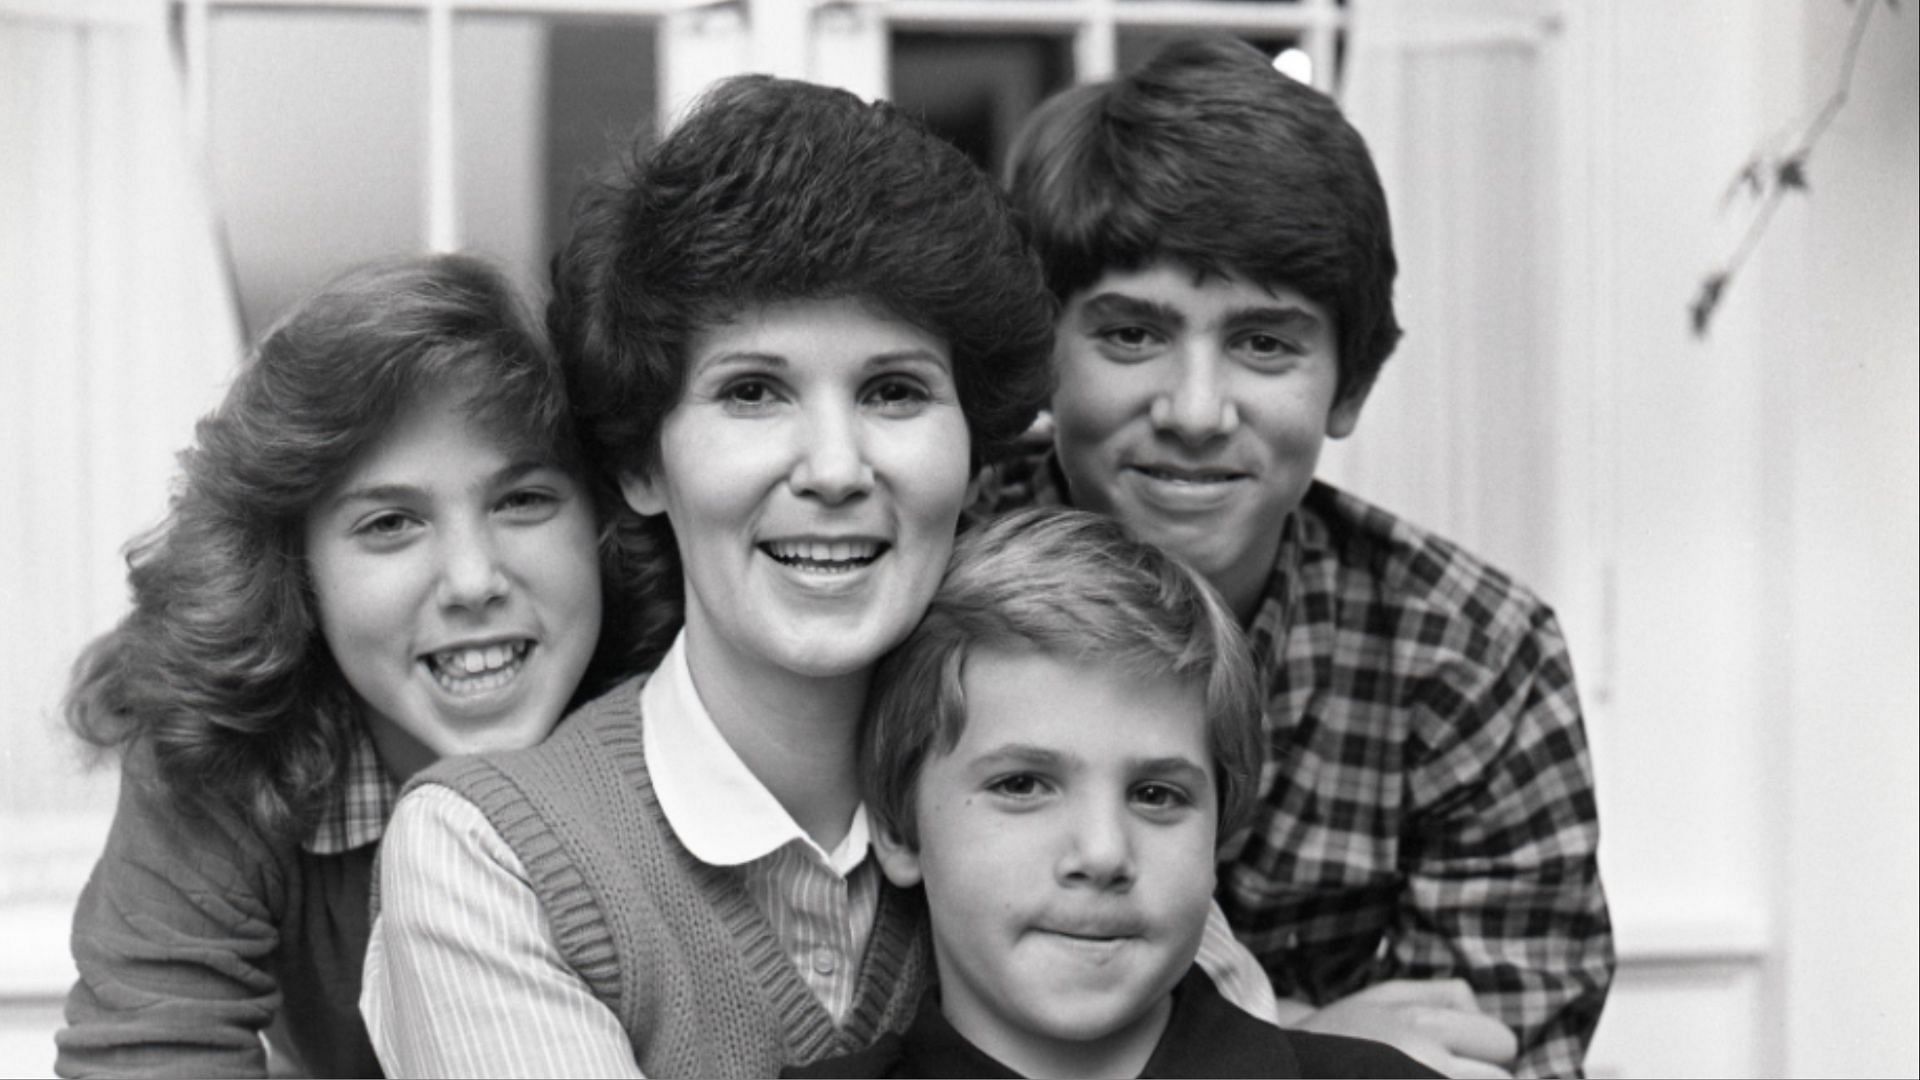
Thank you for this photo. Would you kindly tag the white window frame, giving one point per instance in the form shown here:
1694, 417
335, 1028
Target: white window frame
843, 42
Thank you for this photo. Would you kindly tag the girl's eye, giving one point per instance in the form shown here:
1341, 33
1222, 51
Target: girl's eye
387, 526
530, 503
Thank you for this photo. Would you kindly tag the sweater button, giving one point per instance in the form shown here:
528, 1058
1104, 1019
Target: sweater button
823, 961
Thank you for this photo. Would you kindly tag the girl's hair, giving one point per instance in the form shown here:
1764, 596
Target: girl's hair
219, 676
772, 190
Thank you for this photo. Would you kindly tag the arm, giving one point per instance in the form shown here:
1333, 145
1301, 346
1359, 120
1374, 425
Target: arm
172, 939
1503, 887
463, 977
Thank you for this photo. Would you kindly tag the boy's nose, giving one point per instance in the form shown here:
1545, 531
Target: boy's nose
1098, 850
1197, 407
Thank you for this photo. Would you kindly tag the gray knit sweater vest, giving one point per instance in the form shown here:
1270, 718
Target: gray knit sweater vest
676, 948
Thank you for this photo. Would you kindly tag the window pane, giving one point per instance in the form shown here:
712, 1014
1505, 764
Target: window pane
316, 135
539, 104
1136, 46
976, 89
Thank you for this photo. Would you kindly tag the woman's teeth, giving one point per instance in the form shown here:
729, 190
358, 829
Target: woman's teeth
834, 555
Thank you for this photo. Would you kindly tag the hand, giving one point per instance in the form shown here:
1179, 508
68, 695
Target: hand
1435, 1022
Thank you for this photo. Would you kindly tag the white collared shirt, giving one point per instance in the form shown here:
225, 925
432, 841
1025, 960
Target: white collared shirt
463, 976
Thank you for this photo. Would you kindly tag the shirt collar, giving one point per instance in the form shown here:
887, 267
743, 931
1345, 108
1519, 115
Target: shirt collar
721, 812
363, 801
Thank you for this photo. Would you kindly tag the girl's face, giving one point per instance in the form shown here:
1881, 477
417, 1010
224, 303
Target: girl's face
813, 470
458, 586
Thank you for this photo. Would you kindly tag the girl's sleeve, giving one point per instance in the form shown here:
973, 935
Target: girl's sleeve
463, 976
171, 939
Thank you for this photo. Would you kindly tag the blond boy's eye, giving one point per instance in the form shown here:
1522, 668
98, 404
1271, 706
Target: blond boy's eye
1019, 785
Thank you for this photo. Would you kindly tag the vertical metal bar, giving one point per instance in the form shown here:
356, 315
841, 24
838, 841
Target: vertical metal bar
1322, 42
196, 34
1095, 45
443, 224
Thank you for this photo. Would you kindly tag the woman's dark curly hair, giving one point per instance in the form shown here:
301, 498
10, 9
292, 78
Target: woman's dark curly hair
772, 190
220, 676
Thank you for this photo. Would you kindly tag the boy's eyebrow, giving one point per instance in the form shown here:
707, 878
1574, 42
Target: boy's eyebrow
1172, 763
1021, 754
1276, 316
1117, 305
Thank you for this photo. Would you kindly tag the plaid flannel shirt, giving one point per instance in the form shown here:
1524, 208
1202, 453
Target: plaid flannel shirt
359, 811
1427, 809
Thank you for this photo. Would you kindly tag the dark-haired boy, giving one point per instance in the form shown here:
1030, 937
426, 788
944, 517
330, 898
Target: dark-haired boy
1423, 853
1054, 754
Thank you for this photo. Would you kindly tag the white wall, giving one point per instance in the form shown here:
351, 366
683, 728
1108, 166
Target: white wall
1729, 531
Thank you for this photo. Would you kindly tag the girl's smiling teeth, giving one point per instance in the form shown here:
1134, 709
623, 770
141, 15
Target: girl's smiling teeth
830, 556
478, 669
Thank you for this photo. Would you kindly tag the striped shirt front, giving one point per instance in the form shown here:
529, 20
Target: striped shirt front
463, 976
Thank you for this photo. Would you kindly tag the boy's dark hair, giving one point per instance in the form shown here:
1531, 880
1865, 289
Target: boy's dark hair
219, 675
1208, 156
773, 190
1070, 584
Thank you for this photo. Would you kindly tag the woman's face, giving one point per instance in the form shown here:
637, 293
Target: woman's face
813, 470
458, 586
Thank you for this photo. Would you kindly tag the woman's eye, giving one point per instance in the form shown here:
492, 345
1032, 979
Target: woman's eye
748, 394
899, 395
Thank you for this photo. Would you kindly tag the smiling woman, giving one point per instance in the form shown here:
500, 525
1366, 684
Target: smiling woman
791, 330
383, 550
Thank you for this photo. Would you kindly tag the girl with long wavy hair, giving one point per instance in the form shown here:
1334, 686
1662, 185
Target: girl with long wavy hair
383, 549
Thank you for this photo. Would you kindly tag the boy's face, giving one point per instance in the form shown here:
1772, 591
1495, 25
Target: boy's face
1066, 845
1194, 411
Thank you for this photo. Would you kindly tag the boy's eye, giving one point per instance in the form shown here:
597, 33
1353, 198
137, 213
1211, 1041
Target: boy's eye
1017, 786
1128, 341
1265, 348
1159, 796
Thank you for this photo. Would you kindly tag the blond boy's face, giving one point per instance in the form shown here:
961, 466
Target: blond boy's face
1066, 845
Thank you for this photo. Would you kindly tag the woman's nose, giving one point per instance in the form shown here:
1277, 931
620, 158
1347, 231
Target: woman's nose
831, 464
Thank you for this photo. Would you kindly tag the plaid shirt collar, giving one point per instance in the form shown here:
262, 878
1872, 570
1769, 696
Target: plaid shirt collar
358, 812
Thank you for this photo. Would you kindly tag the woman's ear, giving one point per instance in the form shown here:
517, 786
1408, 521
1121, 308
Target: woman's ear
643, 493
899, 862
